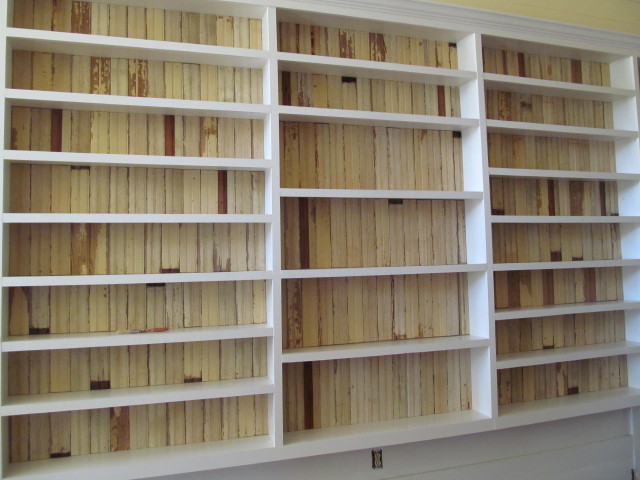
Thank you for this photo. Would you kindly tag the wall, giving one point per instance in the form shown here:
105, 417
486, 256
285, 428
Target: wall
618, 15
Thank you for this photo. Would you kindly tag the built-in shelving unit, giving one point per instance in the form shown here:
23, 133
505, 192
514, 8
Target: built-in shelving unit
248, 232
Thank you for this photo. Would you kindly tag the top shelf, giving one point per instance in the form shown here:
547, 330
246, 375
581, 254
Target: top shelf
347, 67
536, 86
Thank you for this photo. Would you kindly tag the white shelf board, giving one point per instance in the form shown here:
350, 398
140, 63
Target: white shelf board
566, 354
120, 397
372, 435
389, 194
563, 174
150, 462
58, 341
568, 309
558, 131
562, 219
133, 218
134, 278
534, 86
502, 267
390, 347
347, 67
550, 409
125, 104
140, 49
383, 271
376, 119
147, 161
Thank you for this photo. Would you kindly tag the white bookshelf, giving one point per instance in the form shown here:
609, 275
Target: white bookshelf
460, 29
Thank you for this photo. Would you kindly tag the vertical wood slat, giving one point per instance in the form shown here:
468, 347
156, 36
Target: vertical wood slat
335, 393
130, 428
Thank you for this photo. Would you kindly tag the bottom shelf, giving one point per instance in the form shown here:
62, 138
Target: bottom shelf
550, 409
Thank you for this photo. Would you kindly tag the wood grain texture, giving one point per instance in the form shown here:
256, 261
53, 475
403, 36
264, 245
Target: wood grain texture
553, 380
375, 158
131, 428
387, 233
104, 132
516, 151
138, 22
559, 331
377, 309
346, 43
545, 67
365, 390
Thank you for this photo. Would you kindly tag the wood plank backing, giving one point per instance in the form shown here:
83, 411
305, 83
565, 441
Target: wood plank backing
371, 233
107, 249
517, 151
377, 309
545, 67
364, 390
143, 78
148, 190
347, 43
138, 22
375, 158
131, 428
535, 288
527, 384
558, 331
105, 132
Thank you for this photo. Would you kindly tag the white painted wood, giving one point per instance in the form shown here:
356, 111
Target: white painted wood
568, 309
550, 409
559, 131
563, 219
118, 47
534, 86
120, 397
564, 174
133, 218
27, 343
389, 347
378, 119
566, 354
501, 267
135, 278
147, 161
118, 103
377, 271
391, 194
347, 67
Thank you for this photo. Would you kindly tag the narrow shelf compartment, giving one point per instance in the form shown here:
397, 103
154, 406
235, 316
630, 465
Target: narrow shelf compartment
113, 159
378, 119
43, 281
558, 131
158, 461
568, 309
563, 219
566, 407
536, 86
388, 194
133, 218
502, 267
28, 343
566, 354
379, 271
121, 47
118, 103
64, 402
348, 67
371, 435
390, 347
563, 174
